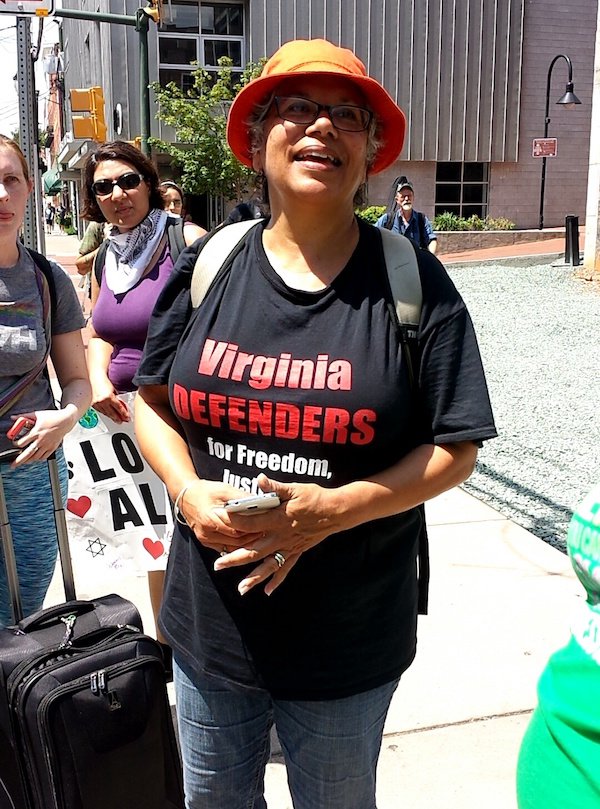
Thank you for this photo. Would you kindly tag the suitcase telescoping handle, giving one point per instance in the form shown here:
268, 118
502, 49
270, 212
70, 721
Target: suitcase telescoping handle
61, 532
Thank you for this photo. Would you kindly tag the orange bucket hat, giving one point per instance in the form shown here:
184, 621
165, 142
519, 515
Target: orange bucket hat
317, 57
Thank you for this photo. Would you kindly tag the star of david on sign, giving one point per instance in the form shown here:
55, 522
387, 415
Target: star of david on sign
96, 547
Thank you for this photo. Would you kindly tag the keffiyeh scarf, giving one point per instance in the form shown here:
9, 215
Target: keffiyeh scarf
129, 253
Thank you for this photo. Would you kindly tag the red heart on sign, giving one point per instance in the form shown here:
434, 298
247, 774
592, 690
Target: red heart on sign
154, 547
80, 507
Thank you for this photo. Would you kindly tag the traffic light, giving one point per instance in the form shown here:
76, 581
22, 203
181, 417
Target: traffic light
92, 126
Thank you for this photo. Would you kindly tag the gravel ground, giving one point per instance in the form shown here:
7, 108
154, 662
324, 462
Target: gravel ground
539, 333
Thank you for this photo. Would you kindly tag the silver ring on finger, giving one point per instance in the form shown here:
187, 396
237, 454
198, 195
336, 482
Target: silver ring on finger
279, 558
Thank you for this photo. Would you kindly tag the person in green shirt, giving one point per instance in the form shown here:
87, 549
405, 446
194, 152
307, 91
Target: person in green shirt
559, 760
92, 239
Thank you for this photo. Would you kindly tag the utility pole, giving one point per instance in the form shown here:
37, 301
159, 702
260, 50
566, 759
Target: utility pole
591, 256
33, 225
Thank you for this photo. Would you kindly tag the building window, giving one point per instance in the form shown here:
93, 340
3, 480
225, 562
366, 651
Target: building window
462, 189
197, 34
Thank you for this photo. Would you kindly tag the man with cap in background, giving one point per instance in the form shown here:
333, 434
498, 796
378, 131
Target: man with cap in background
405, 220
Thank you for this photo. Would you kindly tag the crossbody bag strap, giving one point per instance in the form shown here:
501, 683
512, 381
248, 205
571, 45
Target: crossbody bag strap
11, 396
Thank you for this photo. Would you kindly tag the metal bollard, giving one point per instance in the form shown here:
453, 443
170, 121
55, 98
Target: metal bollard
572, 240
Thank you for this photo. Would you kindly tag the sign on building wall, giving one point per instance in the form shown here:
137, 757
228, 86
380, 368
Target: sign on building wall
545, 147
25, 8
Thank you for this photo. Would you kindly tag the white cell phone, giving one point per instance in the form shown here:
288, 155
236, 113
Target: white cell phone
253, 503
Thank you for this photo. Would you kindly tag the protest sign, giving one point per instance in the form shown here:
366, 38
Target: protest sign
118, 511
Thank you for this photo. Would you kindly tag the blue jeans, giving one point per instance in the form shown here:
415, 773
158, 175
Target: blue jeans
330, 747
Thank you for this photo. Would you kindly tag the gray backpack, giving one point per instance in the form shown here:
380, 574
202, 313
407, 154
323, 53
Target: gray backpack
224, 243
405, 299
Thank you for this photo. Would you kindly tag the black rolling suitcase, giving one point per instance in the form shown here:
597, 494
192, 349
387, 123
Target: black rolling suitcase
85, 721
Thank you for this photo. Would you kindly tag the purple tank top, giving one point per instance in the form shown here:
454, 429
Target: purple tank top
122, 320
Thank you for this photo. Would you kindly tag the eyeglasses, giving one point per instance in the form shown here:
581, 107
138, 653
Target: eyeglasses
346, 117
129, 181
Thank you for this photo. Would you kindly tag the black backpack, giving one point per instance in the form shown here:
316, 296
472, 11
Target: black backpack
174, 237
43, 265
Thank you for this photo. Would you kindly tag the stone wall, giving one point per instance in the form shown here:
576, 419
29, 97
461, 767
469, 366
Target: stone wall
455, 241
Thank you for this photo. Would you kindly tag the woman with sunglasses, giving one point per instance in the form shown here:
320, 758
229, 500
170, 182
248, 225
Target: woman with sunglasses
290, 378
40, 320
122, 187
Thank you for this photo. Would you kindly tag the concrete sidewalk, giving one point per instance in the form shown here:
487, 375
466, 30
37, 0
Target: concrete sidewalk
499, 606
500, 603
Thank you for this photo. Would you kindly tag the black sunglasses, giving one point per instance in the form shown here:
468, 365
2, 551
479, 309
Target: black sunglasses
346, 117
129, 181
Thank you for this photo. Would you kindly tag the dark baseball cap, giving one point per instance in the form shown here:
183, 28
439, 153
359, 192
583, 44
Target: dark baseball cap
403, 182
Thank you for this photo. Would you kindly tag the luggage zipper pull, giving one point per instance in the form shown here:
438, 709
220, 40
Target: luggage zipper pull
98, 682
69, 622
99, 685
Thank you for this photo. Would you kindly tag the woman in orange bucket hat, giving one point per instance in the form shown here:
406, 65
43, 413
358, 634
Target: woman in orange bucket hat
290, 379
319, 59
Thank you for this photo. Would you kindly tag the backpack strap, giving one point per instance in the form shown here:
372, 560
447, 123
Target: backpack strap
423, 237
389, 219
406, 301
175, 236
217, 253
99, 261
43, 265
405, 287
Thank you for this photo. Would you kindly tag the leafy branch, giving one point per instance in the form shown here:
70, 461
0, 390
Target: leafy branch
199, 117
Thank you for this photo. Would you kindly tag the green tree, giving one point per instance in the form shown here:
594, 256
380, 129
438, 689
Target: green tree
199, 117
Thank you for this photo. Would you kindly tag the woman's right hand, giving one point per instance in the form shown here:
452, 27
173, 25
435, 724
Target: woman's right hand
201, 505
106, 401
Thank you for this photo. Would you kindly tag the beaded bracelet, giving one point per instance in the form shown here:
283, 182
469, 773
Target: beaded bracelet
176, 510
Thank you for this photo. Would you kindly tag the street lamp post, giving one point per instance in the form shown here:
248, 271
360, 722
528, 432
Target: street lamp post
568, 100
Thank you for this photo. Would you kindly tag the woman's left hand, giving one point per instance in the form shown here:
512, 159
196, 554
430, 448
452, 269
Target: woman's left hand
307, 515
45, 436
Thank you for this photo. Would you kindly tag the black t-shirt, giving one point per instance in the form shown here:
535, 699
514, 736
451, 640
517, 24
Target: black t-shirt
308, 387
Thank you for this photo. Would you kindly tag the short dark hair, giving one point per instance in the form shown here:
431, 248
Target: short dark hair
118, 150
171, 184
